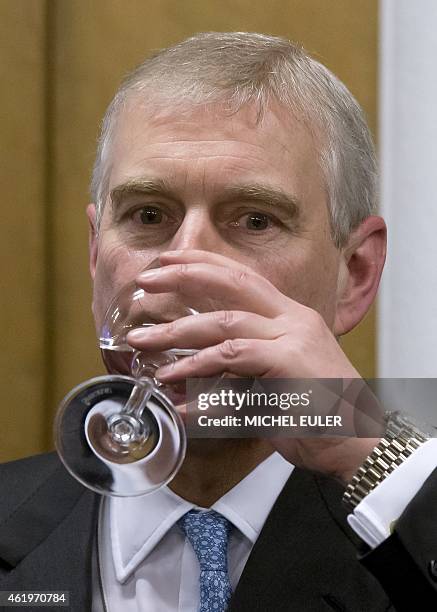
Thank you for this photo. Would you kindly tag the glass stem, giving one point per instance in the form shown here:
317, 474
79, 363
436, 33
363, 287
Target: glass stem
138, 398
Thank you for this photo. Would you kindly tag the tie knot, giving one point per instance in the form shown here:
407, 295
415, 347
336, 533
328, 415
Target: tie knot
208, 533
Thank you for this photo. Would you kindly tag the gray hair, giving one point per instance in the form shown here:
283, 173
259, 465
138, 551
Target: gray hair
239, 68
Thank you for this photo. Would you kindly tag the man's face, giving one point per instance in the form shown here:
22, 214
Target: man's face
252, 191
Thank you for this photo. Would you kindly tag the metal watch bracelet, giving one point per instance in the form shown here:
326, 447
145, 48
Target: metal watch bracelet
401, 439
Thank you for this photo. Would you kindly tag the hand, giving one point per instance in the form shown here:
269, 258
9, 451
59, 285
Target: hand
252, 330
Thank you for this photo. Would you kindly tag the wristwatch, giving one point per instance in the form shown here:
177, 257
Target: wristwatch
403, 436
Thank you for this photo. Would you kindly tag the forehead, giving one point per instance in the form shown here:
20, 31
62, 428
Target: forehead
147, 132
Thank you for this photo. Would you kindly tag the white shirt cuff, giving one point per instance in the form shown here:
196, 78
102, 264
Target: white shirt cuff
373, 517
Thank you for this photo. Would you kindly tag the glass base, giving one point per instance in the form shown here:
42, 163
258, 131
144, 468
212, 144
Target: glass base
114, 453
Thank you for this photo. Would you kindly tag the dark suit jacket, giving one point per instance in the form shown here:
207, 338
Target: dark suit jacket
304, 560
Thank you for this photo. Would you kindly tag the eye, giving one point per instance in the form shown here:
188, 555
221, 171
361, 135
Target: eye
149, 215
256, 221
253, 221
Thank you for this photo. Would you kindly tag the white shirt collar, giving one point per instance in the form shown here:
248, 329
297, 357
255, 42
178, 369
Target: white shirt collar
137, 524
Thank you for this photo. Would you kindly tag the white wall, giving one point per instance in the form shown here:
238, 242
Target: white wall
407, 329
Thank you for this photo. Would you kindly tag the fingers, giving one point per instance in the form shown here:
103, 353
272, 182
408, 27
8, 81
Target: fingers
240, 329
202, 330
240, 357
198, 256
218, 287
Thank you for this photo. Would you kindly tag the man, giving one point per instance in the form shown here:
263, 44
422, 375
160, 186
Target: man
248, 169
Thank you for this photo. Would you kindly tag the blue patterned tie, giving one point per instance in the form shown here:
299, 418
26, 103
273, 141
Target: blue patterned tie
208, 533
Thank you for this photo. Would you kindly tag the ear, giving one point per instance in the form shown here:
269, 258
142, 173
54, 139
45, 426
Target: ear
92, 238
362, 262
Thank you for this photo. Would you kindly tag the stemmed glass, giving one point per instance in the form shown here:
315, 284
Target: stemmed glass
122, 434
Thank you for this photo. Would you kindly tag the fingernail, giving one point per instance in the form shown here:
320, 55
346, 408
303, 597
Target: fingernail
164, 370
149, 274
138, 334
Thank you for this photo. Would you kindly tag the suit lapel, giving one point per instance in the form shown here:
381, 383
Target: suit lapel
304, 559
47, 541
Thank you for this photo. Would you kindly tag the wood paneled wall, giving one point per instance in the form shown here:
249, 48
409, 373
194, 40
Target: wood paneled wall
60, 64
24, 415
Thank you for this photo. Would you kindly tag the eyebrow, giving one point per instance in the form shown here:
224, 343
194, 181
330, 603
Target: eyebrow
264, 194
254, 192
140, 187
